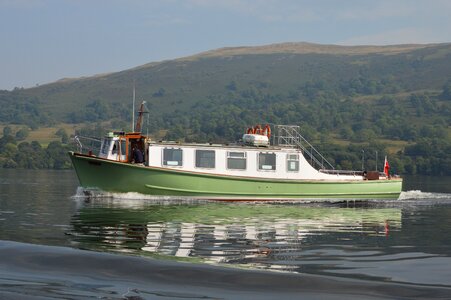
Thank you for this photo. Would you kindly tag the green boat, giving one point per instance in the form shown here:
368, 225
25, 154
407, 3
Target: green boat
263, 167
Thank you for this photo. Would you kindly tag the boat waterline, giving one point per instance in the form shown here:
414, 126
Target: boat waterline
114, 176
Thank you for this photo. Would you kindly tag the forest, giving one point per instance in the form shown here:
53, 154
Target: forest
348, 106
32, 155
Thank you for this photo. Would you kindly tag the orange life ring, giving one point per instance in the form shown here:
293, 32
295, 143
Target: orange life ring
258, 129
267, 131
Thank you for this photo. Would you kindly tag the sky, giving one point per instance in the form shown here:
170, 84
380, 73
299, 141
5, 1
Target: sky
46, 40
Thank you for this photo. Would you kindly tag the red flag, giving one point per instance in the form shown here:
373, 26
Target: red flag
386, 166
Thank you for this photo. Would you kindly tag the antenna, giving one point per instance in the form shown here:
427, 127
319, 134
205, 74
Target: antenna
133, 110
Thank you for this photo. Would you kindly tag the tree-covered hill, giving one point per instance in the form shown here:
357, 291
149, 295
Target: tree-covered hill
390, 98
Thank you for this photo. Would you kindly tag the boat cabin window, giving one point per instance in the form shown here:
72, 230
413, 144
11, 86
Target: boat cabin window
123, 147
172, 157
236, 160
292, 162
205, 159
105, 146
118, 147
115, 148
266, 161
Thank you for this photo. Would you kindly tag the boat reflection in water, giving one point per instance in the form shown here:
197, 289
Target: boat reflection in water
270, 236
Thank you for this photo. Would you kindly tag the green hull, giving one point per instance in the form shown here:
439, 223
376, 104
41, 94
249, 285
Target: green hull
118, 177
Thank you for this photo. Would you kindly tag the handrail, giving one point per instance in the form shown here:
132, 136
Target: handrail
79, 144
342, 172
290, 135
89, 140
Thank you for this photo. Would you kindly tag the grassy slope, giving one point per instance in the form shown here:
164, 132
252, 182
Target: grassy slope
274, 69
45, 135
279, 68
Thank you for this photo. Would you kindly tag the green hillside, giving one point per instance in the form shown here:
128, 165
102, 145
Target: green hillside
394, 99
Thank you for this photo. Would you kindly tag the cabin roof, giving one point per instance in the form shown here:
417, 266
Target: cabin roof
222, 146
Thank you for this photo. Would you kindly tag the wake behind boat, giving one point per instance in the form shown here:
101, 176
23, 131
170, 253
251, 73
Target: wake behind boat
262, 166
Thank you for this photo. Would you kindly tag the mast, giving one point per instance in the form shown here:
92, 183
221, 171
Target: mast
140, 117
133, 107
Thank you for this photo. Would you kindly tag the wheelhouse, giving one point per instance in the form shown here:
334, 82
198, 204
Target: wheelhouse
119, 146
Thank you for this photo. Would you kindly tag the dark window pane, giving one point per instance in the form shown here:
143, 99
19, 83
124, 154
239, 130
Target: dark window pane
172, 157
266, 161
205, 159
236, 160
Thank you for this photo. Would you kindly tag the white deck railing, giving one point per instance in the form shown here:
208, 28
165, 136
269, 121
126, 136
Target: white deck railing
289, 135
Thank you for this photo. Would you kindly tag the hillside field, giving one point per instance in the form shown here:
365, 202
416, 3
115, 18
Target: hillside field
393, 99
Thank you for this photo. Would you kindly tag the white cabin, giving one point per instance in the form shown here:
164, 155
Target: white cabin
254, 158
257, 162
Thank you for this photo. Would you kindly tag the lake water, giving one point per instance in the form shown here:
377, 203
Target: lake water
146, 248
